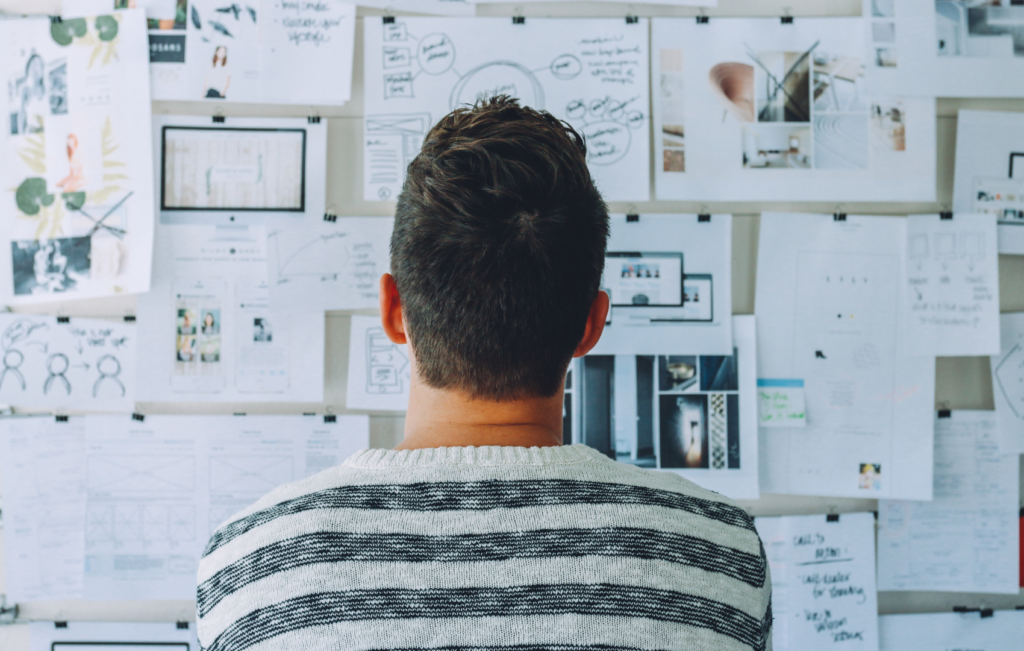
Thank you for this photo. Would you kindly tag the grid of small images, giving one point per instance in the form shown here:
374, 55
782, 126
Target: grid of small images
883, 33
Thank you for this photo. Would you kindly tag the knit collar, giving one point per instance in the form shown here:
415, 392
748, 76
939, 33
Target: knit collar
490, 455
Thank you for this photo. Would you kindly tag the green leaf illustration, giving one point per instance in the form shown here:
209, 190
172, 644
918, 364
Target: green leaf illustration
74, 200
106, 27
66, 30
31, 195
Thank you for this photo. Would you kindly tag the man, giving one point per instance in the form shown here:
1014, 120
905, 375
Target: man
480, 531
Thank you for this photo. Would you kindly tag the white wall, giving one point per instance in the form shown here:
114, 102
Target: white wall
962, 383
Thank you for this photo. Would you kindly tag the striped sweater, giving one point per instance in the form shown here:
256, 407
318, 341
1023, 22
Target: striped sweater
486, 549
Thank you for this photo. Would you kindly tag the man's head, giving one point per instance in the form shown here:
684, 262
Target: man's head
498, 251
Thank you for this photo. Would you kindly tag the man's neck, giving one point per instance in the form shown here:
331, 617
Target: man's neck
441, 419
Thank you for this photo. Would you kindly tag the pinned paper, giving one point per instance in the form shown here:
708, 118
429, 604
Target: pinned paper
780, 403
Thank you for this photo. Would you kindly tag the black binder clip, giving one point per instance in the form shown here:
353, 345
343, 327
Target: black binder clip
60, 624
632, 20
330, 418
239, 413
139, 417
314, 119
518, 20
985, 613
61, 418
388, 20
839, 216
330, 217
218, 119
945, 413
945, 216
63, 319
832, 517
309, 413
702, 20
182, 626
56, 20
129, 318
704, 217
632, 218
786, 20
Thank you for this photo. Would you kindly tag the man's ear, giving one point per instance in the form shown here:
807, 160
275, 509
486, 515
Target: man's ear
391, 310
595, 325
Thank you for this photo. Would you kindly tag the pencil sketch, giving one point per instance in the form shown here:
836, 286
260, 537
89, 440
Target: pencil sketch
387, 366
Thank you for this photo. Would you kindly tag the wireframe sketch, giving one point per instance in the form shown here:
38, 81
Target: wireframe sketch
979, 28
1009, 378
249, 474
592, 74
387, 366
140, 523
141, 473
81, 363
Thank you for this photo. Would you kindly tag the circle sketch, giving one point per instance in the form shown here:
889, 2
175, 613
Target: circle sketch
436, 54
566, 66
607, 142
498, 78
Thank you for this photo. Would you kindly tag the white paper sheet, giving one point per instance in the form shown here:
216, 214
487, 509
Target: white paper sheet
158, 489
952, 286
990, 171
591, 72
378, 370
208, 331
828, 313
653, 312
439, 7
43, 470
695, 415
944, 631
680, 3
946, 48
77, 206
264, 51
1008, 384
81, 364
327, 265
967, 538
768, 111
113, 636
823, 581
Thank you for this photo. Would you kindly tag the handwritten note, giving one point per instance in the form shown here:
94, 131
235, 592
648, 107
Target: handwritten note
951, 295
823, 581
307, 47
781, 403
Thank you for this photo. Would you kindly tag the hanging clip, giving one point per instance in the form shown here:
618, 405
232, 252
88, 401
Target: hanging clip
632, 217
518, 20
832, 517
946, 215
388, 20
129, 318
56, 20
239, 413
313, 118
8, 614
703, 217
60, 624
181, 626
632, 20
61, 418
218, 119
945, 413
330, 418
139, 417
839, 216
330, 217
786, 18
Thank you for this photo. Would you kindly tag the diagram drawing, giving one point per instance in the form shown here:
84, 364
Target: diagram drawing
387, 366
249, 474
135, 523
326, 257
1009, 376
594, 79
140, 473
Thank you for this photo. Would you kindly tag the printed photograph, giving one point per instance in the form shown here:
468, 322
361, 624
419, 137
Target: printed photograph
838, 83
885, 57
684, 431
186, 348
719, 373
782, 86
777, 146
733, 85
209, 348
28, 100
980, 28
188, 320
672, 107
163, 14
261, 330
50, 266
676, 373
870, 476
883, 8
888, 126
841, 141
211, 321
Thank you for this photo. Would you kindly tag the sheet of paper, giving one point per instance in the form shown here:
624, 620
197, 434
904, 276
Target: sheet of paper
680, 3
693, 414
210, 331
158, 489
781, 403
781, 112
989, 174
75, 166
1008, 384
329, 265
669, 278
378, 370
42, 464
591, 72
823, 581
967, 538
113, 636
439, 7
828, 312
946, 48
944, 631
952, 285
81, 364
266, 51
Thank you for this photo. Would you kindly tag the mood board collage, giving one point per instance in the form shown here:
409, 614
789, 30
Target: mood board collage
219, 227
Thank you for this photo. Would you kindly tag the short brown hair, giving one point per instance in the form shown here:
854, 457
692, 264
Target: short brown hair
498, 250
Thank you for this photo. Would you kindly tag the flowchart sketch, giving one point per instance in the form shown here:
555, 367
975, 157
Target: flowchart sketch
332, 265
756, 109
379, 371
1008, 383
593, 73
256, 474
952, 296
67, 363
989, 177
112, 636
829, 318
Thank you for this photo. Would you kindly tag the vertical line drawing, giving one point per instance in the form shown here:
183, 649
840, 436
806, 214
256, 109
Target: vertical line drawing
386, 364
